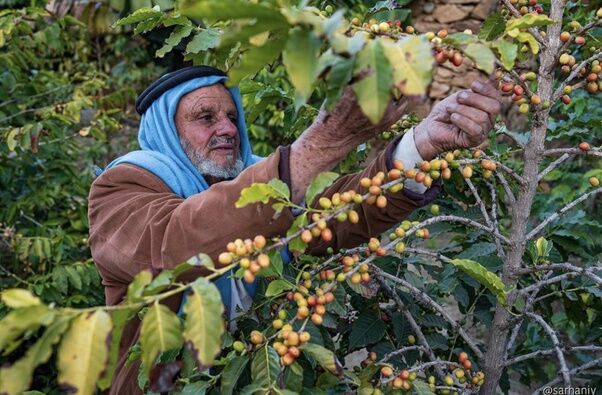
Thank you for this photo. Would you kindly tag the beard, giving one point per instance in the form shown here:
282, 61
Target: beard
209, 167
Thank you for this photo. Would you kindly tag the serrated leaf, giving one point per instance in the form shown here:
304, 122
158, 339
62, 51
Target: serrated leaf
16, 377
508, 52
493, 27
318, 185
277, 287
160, 331
529, 20
296, 244
232, 372
265, 367
324, 357
412, 62
489, 279
84, 352
136, 287
373, 91
367, 329
204, 40
482, 56
179, 33
255, 58
18, 297
139, 15
204, 324
301, 66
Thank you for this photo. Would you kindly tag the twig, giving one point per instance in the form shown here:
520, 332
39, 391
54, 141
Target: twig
462, 220
400, 351
564, 370
572, 151
572, 372
481, 204
553, 165
574, 73
550, 281
558, 266
560, 212
413, 324
580, 32
498, 164
425, 299
540, 353
509, 194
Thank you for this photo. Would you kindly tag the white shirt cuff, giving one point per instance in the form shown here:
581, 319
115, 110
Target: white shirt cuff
407, 152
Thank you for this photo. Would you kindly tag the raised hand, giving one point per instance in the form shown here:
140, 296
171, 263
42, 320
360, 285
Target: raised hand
461, 120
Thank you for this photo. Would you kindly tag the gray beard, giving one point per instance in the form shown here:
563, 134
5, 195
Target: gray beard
208, 167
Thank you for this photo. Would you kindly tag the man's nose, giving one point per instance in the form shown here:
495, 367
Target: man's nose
226, 127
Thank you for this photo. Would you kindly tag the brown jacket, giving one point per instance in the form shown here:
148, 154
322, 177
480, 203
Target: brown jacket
137, 222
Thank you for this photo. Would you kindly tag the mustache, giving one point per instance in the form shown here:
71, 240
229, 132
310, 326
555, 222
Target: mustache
216, 140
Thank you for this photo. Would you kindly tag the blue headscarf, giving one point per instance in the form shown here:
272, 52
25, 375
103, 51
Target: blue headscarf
161, 153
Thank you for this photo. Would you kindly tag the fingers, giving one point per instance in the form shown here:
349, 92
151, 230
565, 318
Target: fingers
476, 115
488, 88
485, 103
473, 132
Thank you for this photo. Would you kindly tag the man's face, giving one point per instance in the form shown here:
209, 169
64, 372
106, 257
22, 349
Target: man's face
206, 122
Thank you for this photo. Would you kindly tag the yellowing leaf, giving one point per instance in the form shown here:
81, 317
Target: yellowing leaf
204, 324
525, 37
301, 66
18, 297
508, 52
160, 331
259, 39
373, 91
84, 352
480, 273
529, 20
19, 321
482, 56
412, 63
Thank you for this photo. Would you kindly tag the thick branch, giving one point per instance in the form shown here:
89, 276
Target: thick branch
544, 283
564, 370
541, 353
572, 151
560, 212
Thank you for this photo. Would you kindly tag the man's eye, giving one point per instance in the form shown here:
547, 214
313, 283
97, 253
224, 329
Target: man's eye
206, 117
233, 119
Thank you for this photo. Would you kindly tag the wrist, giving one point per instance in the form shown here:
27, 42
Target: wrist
423, 142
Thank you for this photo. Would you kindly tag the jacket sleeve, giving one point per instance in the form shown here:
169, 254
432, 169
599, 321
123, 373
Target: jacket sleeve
373, 220
137, 223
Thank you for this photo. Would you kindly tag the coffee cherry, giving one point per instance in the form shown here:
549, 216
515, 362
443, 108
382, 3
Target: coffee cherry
584, 146
287, 359
566, 99
277, 324
238, 346
356, 278
256, 337
381, 202
565, 37
467, 364
449, 381
518, 90
366, 182
462, 357
353, 216
459, 373
458, 59
386, 371
579, 40
506, 87
248, 276
400, 247
467, 172
317, 318
592, 77
374, 190
592, 87
411, 339
594, 181
341, 277
523, 108
306, 236
564, 58
225, 258
599, 12
383, 27
535, 100
263, 260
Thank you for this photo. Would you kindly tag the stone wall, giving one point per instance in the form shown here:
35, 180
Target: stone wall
454, 16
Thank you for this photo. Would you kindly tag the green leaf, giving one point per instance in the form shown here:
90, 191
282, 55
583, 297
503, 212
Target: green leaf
324, 357
412, 62
529, 20
367, 329
257, 192
280, 188
20, 321
265, 367
16, 378
136, 287
179, 33
139, 15
293, 377
508, 52
196, 388
318, 185
83, 352
202, 260
276, 265
373, 91
232, 372
119, 319
277, 287
490, 280
231, 9
422, 388
525, 37
482, 56
255, 58
301, 66
204, 325
159, 283
18, 297
204, 40
459, 39
493, 27
160, 331
296, 244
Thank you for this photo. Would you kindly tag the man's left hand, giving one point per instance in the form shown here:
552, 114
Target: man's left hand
461, 120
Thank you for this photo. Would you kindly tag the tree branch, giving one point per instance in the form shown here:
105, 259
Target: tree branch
541, 353
560, 90
553, 165
572, 372
560, 212
564, 370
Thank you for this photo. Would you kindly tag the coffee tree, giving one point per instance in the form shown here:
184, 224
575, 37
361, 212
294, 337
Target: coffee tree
485, 284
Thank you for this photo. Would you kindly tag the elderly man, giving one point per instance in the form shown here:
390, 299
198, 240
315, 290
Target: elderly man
160, 206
